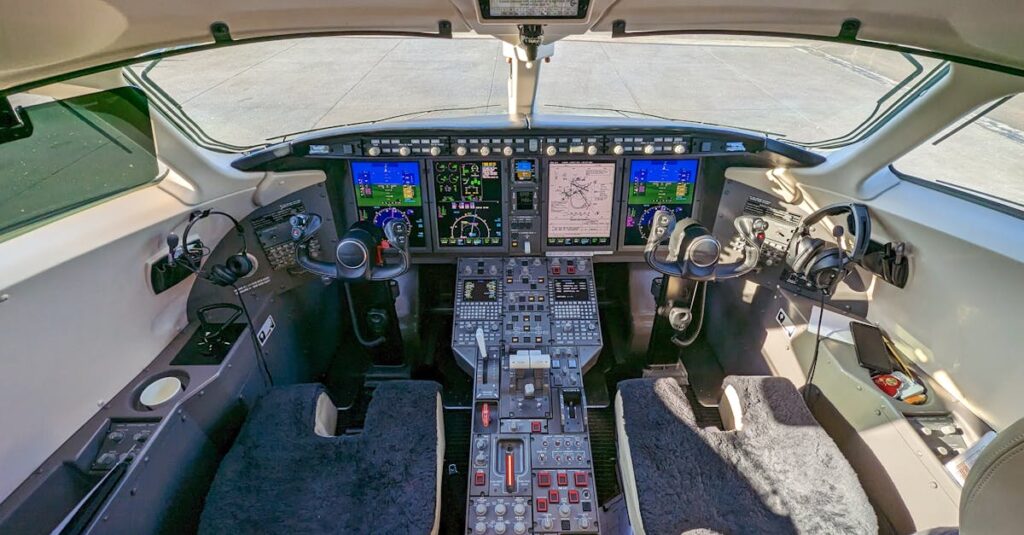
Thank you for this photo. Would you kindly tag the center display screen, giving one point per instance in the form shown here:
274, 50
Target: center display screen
581, 198
390, 190
469, 204
657, 185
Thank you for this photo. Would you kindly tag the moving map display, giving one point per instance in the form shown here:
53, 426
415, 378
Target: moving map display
387, 190
657, 185
469, 206
581, 198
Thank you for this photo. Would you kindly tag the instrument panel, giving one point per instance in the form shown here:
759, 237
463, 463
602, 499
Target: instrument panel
523, 205
546, 188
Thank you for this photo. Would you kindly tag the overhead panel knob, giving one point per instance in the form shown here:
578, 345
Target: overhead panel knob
435, 151
592, 150
461, 150
481, 509
404, 151
679, 148
648, 149
499, 527
373, 151
485, 150
551, 150
618, 150
519, 528
507, 151
519, 509
500, 509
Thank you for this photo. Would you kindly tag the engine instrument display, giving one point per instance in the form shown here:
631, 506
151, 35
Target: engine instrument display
581, 197
657, 185
387, 190
479, 290
469, 203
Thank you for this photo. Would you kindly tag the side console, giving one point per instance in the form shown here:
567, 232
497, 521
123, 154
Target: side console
527, 328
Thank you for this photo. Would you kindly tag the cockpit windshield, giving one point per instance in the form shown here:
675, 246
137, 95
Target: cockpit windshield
817, 94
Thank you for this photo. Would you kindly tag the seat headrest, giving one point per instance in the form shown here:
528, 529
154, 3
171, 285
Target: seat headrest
994, 490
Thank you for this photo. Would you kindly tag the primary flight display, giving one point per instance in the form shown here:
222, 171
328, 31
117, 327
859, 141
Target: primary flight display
657, 185
387, 190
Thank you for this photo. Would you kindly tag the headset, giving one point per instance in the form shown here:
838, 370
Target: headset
825, 264
235, 267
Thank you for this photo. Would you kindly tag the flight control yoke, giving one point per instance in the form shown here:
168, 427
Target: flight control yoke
527, 328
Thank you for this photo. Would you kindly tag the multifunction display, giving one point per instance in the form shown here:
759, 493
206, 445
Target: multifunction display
479, 290
469, 203
581, 197
657, 185
387, 190
571, 290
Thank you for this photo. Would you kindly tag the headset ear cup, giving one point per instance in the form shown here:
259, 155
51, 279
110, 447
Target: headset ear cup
805, 251
222, 276
240, 265
826, 261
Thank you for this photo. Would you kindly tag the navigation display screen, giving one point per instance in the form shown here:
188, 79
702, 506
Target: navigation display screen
469, 207
571, 290
657, 185
479, 290
390, 190
580, 203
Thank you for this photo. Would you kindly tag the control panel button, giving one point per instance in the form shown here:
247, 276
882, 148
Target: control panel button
500, 509
543, 479
563, 479
542, 505
481, 509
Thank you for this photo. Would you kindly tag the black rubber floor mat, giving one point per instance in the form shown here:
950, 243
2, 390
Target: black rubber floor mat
457, 430
706, 416
602, 446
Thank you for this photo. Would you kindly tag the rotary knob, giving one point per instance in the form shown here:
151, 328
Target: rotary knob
551, 150
499, 527
480, 527
500, 509
585, 522
435, 151
507, 151
519, 509
618, 150
679, 148
481, 509
485, 150
519, 528
460, 150
115, 436
564, 510
592, 150
547, 523
404, 151
648, 149
373, 151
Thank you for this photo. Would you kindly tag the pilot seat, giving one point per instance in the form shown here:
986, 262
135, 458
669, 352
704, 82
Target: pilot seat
772, 469
288, 473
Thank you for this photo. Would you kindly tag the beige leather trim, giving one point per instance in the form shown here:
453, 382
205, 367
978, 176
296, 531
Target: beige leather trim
326, 421
626, 470
731, 409
275, 186
440, 466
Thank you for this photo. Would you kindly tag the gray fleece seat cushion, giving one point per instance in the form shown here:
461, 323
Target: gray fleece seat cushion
780, 474
281, 477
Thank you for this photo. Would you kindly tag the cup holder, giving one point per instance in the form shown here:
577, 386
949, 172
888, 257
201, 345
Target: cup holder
160, 389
